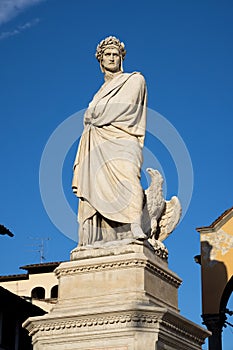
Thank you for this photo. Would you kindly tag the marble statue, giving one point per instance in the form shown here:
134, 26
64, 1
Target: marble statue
112, 203
160, 217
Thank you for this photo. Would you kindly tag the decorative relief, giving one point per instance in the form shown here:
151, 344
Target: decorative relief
122, 321
185, 333
121, 264
163, 275
184, 329
133, 320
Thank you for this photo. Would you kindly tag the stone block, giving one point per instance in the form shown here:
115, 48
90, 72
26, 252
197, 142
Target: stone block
116, 298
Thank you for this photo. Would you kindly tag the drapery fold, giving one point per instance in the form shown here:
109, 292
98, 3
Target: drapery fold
109, 157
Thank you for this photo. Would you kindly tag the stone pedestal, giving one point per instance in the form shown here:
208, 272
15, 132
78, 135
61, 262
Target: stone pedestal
120, 297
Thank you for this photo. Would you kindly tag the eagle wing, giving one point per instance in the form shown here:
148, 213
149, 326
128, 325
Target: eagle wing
170, 218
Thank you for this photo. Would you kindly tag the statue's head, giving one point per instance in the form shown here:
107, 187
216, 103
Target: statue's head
110, 53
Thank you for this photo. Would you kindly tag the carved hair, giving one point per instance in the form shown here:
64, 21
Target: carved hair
110, 41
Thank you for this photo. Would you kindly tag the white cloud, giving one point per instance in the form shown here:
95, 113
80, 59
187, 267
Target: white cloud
19, 29
11, 8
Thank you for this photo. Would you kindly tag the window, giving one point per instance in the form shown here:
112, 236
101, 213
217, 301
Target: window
38, 293
54, 291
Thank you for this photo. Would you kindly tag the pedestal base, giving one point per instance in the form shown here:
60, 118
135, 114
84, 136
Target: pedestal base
116, 298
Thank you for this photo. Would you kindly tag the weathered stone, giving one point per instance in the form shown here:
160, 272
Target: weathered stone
116, 298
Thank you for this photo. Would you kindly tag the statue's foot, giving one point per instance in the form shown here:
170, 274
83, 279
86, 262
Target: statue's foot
137, 232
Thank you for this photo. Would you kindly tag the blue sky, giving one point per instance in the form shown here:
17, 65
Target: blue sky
49, 72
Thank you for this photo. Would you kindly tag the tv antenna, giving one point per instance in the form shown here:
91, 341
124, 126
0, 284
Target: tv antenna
40, 247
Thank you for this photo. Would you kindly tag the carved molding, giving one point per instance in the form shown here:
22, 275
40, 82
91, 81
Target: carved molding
120, 264
183, 332
163, 274
131, 319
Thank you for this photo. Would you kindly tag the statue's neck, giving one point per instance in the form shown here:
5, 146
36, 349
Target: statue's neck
110, 75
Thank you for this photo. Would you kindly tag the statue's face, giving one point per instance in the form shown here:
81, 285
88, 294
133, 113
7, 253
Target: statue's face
111, 60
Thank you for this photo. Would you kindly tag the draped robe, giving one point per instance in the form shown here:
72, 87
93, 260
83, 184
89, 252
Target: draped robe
109, 157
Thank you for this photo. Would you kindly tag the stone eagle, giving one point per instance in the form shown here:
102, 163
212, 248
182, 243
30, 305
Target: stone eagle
160, 217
